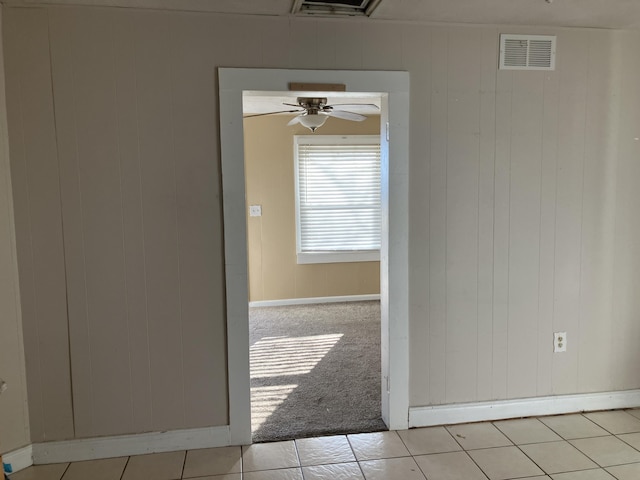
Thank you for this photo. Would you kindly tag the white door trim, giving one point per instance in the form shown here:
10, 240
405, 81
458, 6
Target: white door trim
394, 254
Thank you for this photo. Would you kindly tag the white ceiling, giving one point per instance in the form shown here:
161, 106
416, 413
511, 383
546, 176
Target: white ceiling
574, 13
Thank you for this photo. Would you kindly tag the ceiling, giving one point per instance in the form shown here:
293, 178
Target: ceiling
572, 13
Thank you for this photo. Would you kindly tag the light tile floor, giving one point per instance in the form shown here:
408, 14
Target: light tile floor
593, 446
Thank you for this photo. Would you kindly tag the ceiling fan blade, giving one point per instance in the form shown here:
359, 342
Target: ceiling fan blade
354, 106
294, 120
356, 117
291, 104
272, 113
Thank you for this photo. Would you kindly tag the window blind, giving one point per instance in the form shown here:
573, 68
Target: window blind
338, 190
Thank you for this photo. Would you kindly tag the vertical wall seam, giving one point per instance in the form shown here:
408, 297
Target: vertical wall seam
584, 163
555, 225
493, 238
511, 75
446, 220
62, 222
122, 208
177, 219
83, 242
36, 322
144, 248
544, 84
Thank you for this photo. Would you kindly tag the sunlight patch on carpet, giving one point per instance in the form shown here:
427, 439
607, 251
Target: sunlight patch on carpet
265, 401
284, 356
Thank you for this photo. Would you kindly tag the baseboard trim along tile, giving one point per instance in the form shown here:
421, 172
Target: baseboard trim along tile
126, 445
527, 407
19, 459
314, 300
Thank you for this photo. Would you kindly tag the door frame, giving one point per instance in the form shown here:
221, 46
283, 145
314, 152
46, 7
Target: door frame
394, 251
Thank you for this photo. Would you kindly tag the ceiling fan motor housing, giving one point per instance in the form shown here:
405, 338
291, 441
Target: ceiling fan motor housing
313, 105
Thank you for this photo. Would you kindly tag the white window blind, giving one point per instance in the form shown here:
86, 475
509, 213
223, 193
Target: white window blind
338, 198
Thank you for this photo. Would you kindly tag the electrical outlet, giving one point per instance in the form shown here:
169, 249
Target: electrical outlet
559, 342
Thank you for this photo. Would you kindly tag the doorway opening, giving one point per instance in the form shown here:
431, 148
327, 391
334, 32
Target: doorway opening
313, 240
394, 251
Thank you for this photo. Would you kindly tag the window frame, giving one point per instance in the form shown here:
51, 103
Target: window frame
334, 256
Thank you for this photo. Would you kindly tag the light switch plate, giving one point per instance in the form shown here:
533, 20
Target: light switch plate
255, 210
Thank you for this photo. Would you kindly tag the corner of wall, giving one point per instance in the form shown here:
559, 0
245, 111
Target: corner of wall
14, 412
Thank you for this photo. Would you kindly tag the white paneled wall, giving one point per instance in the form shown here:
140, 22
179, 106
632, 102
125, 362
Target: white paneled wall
522, 206
522, 228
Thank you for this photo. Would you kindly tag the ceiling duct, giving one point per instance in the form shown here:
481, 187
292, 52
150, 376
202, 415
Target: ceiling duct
335, 7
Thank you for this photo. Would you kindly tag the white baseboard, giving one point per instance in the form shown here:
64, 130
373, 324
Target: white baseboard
19, 459
528, 407
126, 445
314, 300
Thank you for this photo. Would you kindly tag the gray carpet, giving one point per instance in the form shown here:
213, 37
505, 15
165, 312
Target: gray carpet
315, 370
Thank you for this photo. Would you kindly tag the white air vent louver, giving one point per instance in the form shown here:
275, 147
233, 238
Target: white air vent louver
527, 52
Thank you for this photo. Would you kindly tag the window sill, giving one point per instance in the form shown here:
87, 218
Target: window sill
338, 257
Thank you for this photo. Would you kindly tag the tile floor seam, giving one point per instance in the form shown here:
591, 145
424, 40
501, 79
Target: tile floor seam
596, 423
446, 428
65, 470
419, 468
126, 464
295, 447
624, 441
476, 463
184, 463
536, 463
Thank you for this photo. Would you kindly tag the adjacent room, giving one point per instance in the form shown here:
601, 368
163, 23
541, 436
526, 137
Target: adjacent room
313, 229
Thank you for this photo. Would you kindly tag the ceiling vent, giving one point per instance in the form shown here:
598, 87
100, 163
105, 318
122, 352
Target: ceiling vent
527, 52
335, 7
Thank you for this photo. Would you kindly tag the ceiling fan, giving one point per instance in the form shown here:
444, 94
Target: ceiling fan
314, 112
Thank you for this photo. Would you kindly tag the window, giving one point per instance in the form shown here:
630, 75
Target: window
338, 215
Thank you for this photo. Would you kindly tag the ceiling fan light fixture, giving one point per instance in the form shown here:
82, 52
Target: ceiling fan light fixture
313, 121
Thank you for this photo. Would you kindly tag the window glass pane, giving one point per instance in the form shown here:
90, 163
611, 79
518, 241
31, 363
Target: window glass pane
338, 193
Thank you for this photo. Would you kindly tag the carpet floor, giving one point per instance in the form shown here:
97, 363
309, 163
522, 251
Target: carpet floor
315, 370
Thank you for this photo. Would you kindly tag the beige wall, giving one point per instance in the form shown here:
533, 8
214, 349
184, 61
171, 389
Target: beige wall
269, 170
14, 414
523, 208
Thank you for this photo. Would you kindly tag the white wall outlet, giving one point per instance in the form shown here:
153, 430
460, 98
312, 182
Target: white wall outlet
559, 342
255, 210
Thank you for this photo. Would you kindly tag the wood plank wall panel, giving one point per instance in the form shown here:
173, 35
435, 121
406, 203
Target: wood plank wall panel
437, 219
420, 66
524, 232
486, 199
569, 202
523, 207
463, 134
92, 216
548, 192
35, 178
598, 216
626, 281
14, 414
199, 243
125, 85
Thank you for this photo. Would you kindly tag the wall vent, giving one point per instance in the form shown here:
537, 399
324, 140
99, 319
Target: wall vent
527, 52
